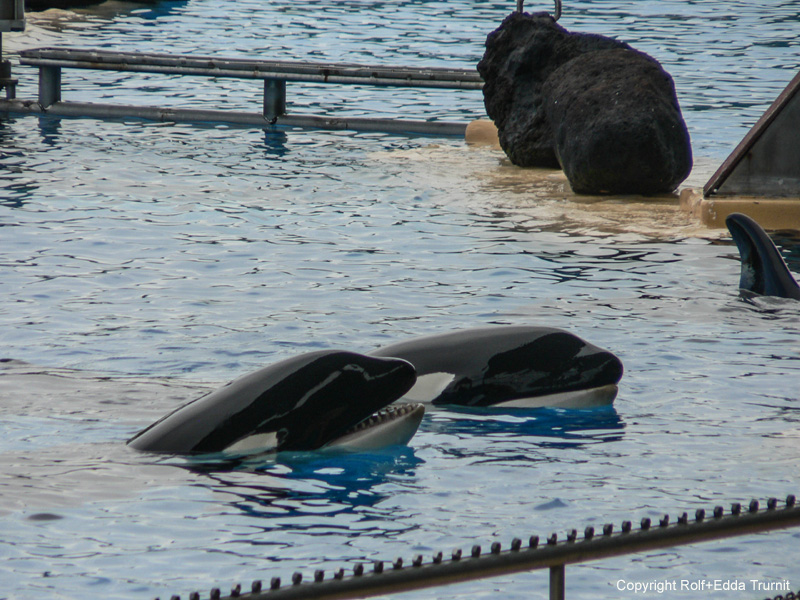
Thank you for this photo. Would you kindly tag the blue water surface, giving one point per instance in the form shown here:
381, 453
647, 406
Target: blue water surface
145, 263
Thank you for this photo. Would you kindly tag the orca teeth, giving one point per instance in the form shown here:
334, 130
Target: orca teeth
384, 416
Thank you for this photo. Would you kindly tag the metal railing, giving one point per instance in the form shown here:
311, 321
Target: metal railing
274, 74
532, 554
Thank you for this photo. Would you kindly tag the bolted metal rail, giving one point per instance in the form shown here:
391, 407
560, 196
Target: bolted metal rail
549, 553
274, 73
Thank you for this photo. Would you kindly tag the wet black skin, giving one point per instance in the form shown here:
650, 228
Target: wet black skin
308, 400
764, 272
497, 364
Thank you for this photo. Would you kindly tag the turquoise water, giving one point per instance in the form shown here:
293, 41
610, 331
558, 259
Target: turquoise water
144, 263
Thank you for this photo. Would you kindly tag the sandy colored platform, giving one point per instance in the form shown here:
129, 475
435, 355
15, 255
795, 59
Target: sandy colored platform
771, 213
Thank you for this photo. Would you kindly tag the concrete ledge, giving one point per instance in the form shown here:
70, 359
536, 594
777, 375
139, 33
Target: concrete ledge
771, 213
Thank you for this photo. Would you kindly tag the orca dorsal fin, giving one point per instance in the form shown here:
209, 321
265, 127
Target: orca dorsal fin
764, 271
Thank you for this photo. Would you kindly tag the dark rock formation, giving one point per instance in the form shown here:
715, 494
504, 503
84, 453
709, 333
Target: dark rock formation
520, 55
617, 125
556, 103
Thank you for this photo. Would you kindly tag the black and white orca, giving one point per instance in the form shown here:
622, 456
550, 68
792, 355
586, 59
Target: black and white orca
509, 366
764, 272
324, 399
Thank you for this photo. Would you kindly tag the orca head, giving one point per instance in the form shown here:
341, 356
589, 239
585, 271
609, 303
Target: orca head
509, 366
763, 270
315, 400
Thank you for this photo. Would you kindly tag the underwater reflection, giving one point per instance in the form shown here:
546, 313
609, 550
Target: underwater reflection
50, 130
342, 481
275, 143
542, 427
17, 185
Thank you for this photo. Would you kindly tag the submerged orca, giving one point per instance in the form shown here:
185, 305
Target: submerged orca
764, 272
318, 399
509, 366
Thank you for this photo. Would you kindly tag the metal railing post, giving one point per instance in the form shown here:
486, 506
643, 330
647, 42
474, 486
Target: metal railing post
557, 581
49, 85
274, 99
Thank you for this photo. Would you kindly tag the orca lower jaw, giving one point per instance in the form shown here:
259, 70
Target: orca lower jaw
394, 425
586, 398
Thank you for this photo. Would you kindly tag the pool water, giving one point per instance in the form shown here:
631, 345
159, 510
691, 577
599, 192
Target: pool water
143, 264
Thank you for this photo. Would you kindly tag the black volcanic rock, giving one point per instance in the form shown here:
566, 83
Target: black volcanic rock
520, 55
617, 125
607, 114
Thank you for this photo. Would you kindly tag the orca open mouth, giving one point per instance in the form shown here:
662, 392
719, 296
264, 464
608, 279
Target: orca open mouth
394, 425
384, 416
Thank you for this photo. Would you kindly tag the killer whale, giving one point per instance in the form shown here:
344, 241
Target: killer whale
340, 399
316, 400
509, 366
763, 271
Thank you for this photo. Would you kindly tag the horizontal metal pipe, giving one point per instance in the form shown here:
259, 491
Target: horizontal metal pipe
188, 115
350, 74
591, 547
95, 55
261, 74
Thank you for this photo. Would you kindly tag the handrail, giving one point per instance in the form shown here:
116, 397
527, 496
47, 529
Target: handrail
244, 68
552, 554
274, 74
